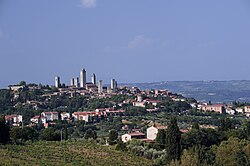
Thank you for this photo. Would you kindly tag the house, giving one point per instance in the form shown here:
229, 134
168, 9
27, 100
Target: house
134, 135
35, 119
15, 87
139, 104
81, 116
220, 108
65, 116
153, 130
50, 116
38, 119
240, 110
91, 87
153, 102
115, 112
247, 109
193, 105
14, 119
153, 110
230, 111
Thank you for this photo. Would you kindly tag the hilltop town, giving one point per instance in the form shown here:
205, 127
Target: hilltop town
116, 115
112, 100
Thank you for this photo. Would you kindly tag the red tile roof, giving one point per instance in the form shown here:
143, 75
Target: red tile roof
161, 127
7, 117
136, 134
50, 112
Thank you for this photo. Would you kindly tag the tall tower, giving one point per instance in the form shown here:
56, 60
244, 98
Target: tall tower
57, 82
112, 84
77, 82
100, 86
83, 78
72, 82
116, 85
93, 79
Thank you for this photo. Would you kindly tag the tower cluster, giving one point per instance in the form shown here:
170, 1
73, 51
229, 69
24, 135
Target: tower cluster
80, 82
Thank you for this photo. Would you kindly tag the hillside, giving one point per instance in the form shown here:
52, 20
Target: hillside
215, 91
70, 153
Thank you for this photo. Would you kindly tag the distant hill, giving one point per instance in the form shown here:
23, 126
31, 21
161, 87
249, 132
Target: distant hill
215, 91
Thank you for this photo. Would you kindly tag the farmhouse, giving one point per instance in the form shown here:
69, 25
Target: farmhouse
220, 108
134, 135
153, 130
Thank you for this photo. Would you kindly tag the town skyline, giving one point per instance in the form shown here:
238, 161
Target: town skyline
153, 42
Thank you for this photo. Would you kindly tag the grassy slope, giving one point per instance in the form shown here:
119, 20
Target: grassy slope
70, 153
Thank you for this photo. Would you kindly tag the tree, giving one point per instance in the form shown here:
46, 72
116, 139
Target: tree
174, 163
226, 124
247, 128
120, 145
4, 131
201, 137
90, 134
50, 135
28, 133
173, 138
189, 159
19, 135
15, 134
65, 135
231, 152
161, 137
22, 83
113, 135
195, 126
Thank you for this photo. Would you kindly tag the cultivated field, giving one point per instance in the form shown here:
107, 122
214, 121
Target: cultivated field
67, 153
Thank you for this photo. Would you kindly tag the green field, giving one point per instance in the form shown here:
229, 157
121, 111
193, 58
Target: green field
67, 153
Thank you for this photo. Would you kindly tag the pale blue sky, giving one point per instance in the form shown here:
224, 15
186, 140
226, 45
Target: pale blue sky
130, 40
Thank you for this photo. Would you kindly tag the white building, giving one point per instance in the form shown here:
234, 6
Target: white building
247, 109
113, 84
220, 108
93, 79
134, 135
65, 116
100, 86
139, 104
15, 87
81, 116
57, 82
50, 116
240, 110
230, 111
76, 82
139, 98
14, 120
153, 130
83, 78
72, 82
35, 119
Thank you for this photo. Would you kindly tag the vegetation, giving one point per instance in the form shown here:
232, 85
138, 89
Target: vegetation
113, 135
67, 153
4, 131
212, 138
173, 138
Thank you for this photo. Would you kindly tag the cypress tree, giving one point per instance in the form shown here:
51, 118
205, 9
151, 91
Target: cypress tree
173, 138
66, 135
161, 137
4, 131
113, 135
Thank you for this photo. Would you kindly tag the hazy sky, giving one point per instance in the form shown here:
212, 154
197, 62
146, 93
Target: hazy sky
130, 40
